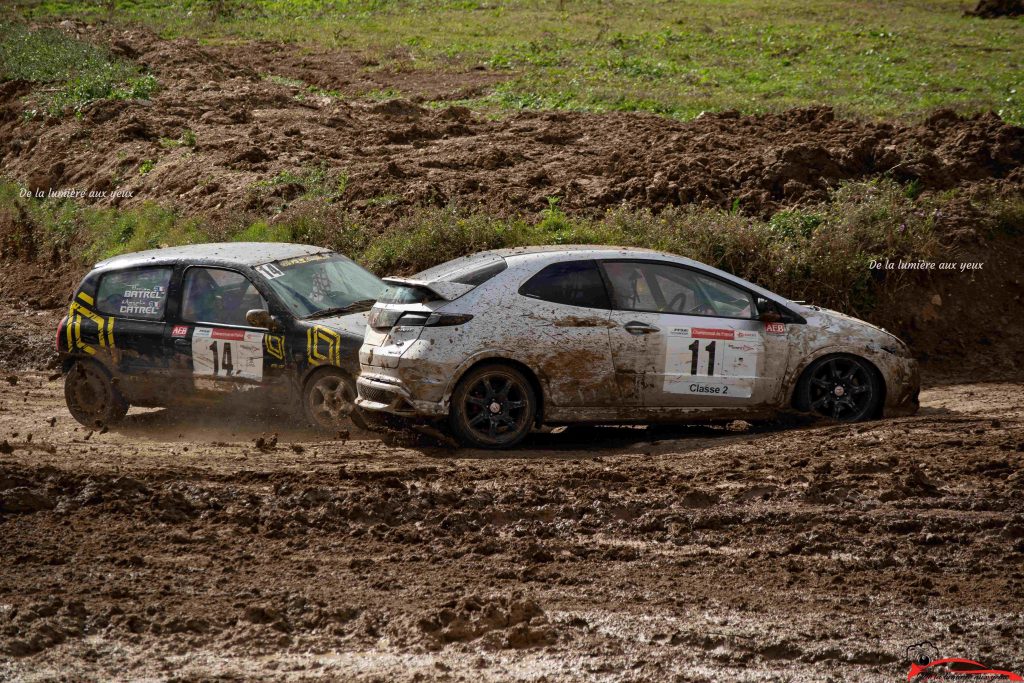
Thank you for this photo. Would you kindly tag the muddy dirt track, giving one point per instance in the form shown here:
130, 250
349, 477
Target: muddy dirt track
694, 554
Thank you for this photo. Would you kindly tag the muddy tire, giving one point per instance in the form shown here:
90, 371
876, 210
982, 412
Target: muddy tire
91, 396
493, 406
842, 388
328, 401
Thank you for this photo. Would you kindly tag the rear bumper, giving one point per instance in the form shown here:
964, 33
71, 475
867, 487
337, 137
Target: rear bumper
388, 394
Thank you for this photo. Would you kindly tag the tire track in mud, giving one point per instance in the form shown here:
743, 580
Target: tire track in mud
666, 553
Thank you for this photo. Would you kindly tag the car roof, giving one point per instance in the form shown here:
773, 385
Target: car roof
225, 253
547, 252
540, 256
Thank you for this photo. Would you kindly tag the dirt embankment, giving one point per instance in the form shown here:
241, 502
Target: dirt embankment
248, 129
686, 554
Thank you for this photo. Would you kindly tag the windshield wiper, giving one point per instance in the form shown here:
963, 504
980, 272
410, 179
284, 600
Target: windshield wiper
354, 307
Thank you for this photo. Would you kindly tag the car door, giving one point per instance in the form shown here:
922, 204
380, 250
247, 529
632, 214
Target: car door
130, 309
212, 342
568, 322
684, 338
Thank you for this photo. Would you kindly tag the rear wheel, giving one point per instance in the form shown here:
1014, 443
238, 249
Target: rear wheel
91, 396
843, 388
493, 406
329, 400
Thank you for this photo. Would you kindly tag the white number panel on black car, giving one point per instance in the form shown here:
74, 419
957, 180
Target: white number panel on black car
218, 352
712, 361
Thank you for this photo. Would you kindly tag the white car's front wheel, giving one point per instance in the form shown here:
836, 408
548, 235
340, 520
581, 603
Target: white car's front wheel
840, 387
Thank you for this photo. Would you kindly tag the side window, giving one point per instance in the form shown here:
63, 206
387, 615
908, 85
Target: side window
217, 296
631, 289
574, 283
664, 288
728, 301
138, 293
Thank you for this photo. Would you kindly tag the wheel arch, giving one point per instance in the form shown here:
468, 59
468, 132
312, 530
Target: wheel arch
802, 371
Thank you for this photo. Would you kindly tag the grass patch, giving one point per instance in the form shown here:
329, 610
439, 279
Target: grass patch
312, 182
76, 73
676, 58
301, 86
818, 254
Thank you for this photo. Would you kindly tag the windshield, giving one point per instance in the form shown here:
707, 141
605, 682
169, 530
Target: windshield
320, 284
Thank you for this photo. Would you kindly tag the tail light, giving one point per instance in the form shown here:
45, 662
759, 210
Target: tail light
60, 331
447, 319
383, 318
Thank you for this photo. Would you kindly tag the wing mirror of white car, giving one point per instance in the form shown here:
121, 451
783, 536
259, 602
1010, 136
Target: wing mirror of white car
771, 312
258, 317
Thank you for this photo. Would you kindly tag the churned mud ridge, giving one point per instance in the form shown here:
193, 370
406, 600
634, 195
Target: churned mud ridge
654, 554
249, 128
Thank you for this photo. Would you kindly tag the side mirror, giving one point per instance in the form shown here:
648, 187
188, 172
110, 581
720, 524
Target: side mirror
258, 317
770, 312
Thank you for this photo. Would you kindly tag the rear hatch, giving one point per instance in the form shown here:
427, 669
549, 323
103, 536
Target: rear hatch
411, 304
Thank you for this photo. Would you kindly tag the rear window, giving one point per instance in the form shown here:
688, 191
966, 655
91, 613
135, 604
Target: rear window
573, 283
406, 294
139, 293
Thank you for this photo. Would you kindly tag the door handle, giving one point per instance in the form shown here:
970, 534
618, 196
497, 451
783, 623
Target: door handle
183, 342
637, 327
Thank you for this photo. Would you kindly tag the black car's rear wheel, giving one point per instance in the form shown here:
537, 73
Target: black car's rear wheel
843, 388
329, 400
91, 396
493, 406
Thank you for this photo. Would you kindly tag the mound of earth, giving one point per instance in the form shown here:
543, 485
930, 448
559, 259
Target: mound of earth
254, 136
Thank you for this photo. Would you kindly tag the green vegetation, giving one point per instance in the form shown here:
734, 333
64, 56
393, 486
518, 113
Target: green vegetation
187, 139
676, 58
315, 182
820, 253
302, 86
76, 72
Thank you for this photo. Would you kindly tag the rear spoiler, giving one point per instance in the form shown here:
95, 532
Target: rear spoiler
448, 291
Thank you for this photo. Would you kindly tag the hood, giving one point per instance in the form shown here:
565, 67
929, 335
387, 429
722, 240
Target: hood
352, 323
837, 319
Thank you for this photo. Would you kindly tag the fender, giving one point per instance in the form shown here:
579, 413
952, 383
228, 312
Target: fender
490, 354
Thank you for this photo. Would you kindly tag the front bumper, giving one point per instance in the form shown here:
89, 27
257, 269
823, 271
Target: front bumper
903, 387
387, 394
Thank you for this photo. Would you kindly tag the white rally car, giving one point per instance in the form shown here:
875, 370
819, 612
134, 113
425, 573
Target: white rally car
501, 342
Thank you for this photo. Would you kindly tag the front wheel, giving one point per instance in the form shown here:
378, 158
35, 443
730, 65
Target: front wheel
329, 400
842, 388
91, 396
494, 406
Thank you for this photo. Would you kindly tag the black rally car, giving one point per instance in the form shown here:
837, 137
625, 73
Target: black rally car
279, 322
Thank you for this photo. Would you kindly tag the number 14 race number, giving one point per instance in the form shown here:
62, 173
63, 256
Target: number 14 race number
227, 353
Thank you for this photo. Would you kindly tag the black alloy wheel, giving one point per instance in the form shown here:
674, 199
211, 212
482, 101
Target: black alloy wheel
494, 406
842, 388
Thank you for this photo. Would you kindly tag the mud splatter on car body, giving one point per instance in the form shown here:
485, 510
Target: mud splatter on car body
686, 342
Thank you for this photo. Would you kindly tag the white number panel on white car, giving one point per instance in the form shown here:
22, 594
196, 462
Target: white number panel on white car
712, 361
218, 352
